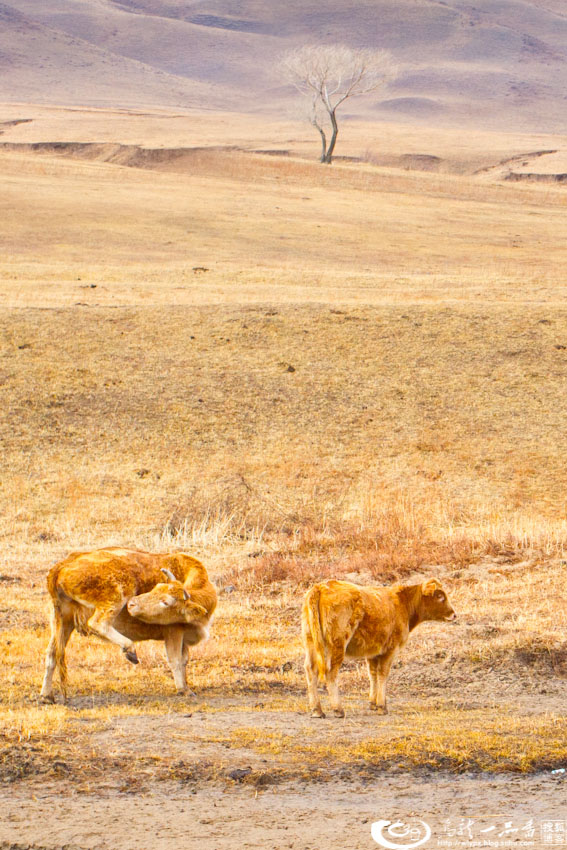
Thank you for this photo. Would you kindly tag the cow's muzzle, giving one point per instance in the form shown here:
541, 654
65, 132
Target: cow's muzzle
451, 618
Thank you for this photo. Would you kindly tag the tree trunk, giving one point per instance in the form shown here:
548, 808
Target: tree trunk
323, 143
328, 156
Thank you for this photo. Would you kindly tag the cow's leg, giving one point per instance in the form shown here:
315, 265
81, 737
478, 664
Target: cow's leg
372, 664
50, 661
177, 656
184, 659
378, 672
337, 653
311, 674
101, 624
61, 630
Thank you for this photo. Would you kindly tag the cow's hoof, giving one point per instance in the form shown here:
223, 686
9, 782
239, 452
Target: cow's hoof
318, 712
338, 712
47, 699
379, 709
131, 656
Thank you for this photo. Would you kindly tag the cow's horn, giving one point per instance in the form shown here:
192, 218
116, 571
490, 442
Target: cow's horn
168, 574
185, 595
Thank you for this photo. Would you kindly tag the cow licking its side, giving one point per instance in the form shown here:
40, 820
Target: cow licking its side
342, 619
107, 593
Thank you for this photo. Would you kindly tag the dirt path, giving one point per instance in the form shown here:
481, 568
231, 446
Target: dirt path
226, 794
301, 817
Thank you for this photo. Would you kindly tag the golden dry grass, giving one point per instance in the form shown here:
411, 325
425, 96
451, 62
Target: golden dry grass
141, 233
354, 233
368, 382
512, 744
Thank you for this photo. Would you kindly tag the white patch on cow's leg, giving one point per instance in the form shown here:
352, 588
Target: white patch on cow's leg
177, 656
101, 624
333, 689
311, 675
47, 686
50, 659
61, 631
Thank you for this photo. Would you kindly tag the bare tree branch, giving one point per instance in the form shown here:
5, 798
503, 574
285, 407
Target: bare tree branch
330, 74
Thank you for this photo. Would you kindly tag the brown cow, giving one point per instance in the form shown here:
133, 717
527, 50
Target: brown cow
340, 618
99, 592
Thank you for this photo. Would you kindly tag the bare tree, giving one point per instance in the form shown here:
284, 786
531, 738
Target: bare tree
331, 73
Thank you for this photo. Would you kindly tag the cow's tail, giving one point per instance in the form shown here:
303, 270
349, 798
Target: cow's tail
313, 605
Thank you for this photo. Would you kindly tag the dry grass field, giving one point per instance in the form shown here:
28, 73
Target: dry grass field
292, 372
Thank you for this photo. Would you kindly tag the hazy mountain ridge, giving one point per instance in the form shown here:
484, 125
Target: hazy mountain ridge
506, 62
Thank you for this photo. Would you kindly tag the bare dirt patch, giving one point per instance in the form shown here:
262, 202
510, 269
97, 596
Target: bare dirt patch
295, 815
218, 772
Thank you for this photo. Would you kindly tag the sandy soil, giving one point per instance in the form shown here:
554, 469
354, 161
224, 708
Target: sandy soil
249, 800
302, 817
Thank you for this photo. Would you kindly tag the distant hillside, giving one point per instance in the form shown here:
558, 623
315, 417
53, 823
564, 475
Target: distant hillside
499, 63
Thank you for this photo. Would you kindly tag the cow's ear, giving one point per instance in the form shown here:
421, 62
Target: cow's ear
429, 587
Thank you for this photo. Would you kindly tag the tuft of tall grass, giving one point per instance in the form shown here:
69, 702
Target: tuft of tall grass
390, 543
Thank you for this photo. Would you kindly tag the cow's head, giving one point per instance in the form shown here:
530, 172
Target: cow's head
434, 602
167, 603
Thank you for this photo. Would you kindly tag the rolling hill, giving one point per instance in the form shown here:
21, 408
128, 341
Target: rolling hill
500, 64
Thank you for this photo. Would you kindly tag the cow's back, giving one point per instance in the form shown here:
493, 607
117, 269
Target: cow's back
91, 578
95, 578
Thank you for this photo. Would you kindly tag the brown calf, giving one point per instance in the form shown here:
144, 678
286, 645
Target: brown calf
98, 593
342, 619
